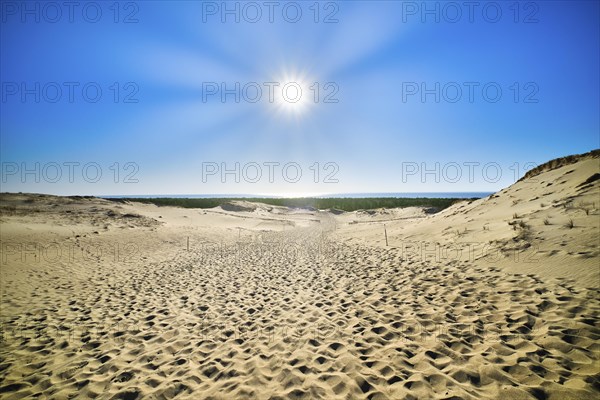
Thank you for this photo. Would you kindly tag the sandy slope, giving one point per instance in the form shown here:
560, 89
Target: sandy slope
521, 229
104, 300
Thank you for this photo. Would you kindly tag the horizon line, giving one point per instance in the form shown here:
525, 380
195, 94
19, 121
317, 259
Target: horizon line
307, 195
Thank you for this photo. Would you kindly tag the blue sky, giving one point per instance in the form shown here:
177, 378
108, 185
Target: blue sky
158, 124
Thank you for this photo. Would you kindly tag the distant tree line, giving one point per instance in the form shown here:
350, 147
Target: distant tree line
339, 203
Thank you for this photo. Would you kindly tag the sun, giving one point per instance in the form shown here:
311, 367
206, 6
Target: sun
293, 95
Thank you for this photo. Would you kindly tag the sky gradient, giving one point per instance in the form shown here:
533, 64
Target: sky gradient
507, 86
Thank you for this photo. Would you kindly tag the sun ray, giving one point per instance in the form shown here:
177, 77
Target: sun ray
293, 94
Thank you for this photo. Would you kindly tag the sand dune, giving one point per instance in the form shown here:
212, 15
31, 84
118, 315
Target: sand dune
130, 301
525, 228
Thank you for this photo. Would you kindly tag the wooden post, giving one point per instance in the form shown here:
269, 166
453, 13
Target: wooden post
188, 243
385, 230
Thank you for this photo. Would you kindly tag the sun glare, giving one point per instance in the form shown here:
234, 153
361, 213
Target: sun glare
294, 95
293, 195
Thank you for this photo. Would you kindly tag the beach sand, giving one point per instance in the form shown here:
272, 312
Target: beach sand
102, 299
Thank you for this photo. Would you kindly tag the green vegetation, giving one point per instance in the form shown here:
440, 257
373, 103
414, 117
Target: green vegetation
345, 204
